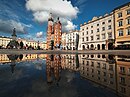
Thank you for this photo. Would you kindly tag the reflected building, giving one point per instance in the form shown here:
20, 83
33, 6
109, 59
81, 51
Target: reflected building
99, 70
70, 62
53, 68
22, 57
109, 71
123, 75
4, 58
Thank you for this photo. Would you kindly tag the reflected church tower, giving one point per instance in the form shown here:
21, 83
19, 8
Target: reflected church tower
53, 68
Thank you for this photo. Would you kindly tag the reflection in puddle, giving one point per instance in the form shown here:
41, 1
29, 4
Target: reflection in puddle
81, 73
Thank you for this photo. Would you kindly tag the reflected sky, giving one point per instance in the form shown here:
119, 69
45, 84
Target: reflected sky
65, 75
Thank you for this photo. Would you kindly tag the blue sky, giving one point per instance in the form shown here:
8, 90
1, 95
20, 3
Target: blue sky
29, 17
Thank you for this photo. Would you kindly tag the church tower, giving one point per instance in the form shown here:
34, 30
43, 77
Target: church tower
53, 33
57, 33
50, 32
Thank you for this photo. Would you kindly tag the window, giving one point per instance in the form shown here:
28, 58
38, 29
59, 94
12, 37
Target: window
91, 37
98, 37
109, 27
104, 73
111, 75
122, 89
111, 67
83, 62
86, 38
109, 35
87, 28
83, 33
82, 29
92, 64
104, 66
119, 15
91, 26
98, 30
98, 65
109, 21
103, 36
87, 63
128, 21
129, 71
86, 32
91, 31
122, 80
83, 39
103, 23
103, 28
128, 12
120, 23
97, 24
98, 72
128, 31
122, 69
120, 32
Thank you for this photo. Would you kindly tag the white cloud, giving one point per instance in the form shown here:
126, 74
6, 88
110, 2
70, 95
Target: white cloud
63, 8
59, 8
39, 34
40, 16
70, 26
6, 26
67, 25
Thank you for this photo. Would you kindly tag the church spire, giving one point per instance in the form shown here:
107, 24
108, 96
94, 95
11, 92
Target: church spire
50, 17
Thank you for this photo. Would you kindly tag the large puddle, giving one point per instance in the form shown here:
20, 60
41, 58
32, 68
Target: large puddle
65, 75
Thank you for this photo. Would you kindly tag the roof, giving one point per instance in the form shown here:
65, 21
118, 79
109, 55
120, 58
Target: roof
96, 19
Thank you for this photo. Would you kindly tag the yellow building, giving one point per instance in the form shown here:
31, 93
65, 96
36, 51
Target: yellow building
21, 57
122, 26
4, 41
123, 75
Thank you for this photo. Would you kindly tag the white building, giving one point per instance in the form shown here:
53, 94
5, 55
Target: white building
63, 39
72, 40
97, 34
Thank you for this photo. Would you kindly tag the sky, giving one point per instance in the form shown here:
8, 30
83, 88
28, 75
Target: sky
30, 17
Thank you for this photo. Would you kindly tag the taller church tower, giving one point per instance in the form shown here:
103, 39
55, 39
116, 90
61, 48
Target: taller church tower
50, 32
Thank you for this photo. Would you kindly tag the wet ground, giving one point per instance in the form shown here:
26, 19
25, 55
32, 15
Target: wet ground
64, 75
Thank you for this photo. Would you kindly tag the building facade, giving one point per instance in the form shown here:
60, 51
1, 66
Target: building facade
54, 32
4, 41
97, 34
97, 68
123, 75
72, 39
63, 40
122, 26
